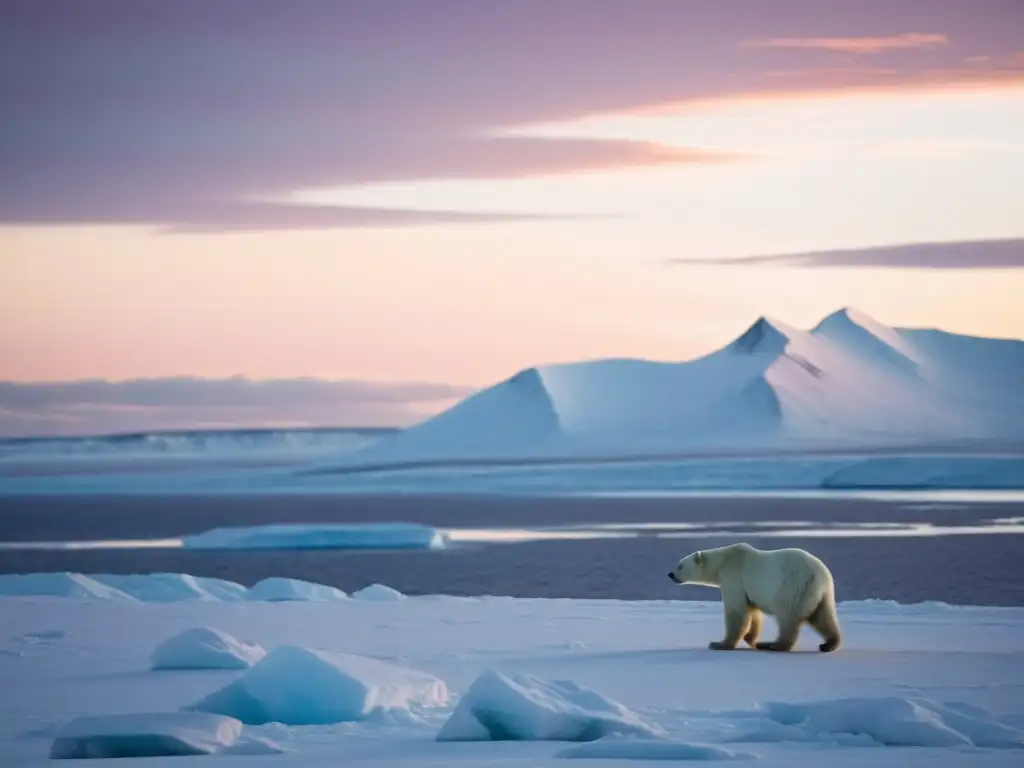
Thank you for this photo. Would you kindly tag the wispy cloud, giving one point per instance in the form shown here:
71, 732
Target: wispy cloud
181, 114
179, 204
854, 45
95, 407
980, 254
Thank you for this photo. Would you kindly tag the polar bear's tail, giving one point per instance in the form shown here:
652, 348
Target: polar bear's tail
825, 620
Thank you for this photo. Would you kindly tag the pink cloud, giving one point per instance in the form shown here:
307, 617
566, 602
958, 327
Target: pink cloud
270, 99
858, 45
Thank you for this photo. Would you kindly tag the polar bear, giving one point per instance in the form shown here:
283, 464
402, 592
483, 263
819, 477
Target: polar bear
790, 584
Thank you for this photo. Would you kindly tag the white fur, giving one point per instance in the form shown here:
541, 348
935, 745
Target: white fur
791, 584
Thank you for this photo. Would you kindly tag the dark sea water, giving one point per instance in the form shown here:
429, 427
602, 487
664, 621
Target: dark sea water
957, 561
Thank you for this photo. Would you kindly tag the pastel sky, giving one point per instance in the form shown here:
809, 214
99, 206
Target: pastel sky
447, 192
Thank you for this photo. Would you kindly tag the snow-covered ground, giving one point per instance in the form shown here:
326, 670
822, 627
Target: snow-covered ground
431, 680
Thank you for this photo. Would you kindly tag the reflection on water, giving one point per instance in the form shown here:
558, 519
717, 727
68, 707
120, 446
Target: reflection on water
518, 535
744, 530
94, 544
926, 497
662, 530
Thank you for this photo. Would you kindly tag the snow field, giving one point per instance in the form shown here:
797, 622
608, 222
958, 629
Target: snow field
615, 747
435, 678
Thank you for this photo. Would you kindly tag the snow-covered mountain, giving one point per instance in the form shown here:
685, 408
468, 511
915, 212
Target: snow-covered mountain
850, 382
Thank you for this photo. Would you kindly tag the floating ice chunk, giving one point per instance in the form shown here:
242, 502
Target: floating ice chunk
616, 747
891, 721
275, 589
73, 585
145, 735
205, 648
378, 593
172, 587
301, 686
525, 708
333, 536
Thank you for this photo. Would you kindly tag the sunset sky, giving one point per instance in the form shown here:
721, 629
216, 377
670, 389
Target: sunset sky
438, 194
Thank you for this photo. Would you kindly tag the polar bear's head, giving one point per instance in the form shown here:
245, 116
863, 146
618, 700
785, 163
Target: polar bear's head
691, 569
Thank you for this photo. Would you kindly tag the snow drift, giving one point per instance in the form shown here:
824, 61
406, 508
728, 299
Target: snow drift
378, 593
74, 585
526, 708
135, 587
145, 735
205, 648
294, 685
276, 589
888, 721
850, 382
172, 587
179, 587
616, 747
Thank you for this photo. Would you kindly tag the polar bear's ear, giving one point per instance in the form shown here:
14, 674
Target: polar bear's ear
698, 558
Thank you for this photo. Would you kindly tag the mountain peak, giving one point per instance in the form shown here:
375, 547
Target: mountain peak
848, 316
854, 330
853, 383
764, 336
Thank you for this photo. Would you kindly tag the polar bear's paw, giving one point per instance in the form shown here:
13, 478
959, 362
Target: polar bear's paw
829, 645
718, 645
775, 645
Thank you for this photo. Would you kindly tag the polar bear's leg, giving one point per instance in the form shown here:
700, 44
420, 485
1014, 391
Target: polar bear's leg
735, 626
789, 630
754, 622
826, 623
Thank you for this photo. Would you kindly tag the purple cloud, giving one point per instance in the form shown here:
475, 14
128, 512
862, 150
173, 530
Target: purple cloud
183, 113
